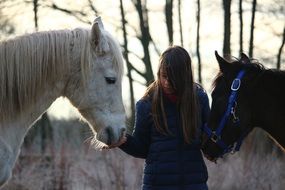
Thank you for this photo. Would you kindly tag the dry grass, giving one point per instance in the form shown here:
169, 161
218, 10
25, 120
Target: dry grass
68, 163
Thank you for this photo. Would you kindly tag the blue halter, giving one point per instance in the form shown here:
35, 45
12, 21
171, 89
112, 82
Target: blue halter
215, 135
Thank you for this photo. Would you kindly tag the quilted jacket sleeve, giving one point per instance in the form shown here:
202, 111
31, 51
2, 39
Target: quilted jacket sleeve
205, 108
138, 143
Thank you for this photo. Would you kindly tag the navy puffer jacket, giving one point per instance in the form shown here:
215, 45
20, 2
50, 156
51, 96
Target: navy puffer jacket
170, 163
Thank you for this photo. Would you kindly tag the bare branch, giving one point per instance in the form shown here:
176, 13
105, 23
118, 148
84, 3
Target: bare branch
93, 8
79, 15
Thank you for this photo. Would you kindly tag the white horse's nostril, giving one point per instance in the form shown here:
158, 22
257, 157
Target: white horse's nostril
110, 135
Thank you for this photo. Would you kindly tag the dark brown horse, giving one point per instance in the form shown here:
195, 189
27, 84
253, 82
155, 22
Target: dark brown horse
245, 95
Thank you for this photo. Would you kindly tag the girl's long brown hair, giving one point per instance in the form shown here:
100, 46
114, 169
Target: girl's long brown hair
177, 64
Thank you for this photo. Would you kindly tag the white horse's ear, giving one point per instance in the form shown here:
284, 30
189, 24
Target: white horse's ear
95, 34
99, 21
223, 64
98, 39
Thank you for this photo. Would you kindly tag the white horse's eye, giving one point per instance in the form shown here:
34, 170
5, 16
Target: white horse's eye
110, 80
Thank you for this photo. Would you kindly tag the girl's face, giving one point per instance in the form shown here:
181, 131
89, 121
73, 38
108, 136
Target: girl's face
164, 80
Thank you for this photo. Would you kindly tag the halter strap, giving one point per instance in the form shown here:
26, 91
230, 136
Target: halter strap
234, 91
215, 135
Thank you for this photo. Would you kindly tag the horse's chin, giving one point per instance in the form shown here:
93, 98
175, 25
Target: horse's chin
209, 155
212, 159
100, 141
110, 136
211, 151
99, 145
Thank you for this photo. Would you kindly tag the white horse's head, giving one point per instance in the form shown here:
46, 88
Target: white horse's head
95, 84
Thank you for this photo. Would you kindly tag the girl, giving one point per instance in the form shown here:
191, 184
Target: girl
169, 118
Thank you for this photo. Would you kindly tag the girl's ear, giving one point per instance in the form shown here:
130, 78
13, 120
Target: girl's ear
223, 64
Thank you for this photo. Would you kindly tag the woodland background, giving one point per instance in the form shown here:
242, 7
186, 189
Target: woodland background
56, 152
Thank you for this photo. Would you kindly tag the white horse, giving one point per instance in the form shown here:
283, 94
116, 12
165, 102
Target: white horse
86, 66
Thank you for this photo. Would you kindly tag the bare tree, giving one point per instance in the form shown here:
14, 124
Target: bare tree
241, 27
227, 28
81, 15
36, 5
145, 39
250, 51
198, 42
169, 22
280, 50
129, 66
180, 22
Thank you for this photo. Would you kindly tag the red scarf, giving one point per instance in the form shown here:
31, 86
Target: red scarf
171, 97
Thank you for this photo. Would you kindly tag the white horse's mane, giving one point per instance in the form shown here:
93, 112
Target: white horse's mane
29, 63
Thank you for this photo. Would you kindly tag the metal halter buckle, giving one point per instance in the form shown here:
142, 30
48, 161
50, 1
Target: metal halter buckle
235, 84
215, 137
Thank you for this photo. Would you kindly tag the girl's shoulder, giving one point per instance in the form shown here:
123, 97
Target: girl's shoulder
144, 103
201, 94
200, 90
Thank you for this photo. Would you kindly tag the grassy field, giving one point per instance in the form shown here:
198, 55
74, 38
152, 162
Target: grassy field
69, 163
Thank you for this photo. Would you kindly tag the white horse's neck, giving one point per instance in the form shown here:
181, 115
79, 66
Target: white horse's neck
13, 132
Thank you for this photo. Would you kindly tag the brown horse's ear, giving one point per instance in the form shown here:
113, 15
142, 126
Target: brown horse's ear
244, 59
223, 64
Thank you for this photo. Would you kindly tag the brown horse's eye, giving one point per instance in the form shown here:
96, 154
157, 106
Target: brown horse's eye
110, 80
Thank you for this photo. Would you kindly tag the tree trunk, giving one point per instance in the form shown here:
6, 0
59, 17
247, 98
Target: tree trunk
280, 50
227, 28
35, 3
169, 22
241, 27
180, 22
250, 52
145, 39
129, 67
198, 43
